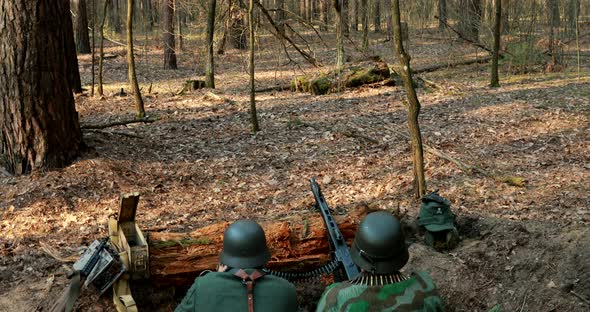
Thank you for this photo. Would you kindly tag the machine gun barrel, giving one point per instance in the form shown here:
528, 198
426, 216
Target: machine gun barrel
340, 249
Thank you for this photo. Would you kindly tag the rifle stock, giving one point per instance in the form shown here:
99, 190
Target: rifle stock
339, 248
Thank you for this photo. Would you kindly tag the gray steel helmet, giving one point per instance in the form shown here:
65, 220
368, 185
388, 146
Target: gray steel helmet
244, 245
379, 246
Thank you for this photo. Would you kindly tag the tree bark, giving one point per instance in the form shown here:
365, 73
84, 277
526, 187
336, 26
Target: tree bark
339, 35
81, 26
280, 15
210, 70
413, 103
298, 244
553, 12
377, 16
72, 57
253, 114
495, 80
115, 20
365, 21
355, 15
345, 17
168, 35
140, 111
101, 47
92, 59
387, 10
442, 14
38, 120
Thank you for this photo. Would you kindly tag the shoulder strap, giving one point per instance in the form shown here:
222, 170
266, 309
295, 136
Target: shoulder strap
248, 281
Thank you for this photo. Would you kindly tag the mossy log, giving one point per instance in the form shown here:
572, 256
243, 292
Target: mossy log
297, 244
351, 77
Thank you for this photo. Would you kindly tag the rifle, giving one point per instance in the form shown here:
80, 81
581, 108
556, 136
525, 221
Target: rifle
340, 250
340, 254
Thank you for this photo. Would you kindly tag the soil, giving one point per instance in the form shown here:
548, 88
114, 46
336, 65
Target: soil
524, 226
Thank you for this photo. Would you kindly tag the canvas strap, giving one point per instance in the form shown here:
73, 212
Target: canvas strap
248, 281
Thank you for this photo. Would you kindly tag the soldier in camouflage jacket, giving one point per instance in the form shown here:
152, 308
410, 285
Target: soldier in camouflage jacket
379, 249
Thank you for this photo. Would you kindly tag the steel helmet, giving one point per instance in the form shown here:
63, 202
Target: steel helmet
379, 246
244, 245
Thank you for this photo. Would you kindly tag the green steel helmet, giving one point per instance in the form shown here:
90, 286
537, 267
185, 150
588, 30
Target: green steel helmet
379, 245
244, 245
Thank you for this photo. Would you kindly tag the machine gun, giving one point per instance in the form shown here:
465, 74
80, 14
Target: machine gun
340, 250
341, 259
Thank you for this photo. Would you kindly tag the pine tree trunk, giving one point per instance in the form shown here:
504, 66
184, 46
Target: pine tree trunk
253, 114
413, 103
72, 58
140, 111
495, 80
210, 70
81, 26
38, 120
168, 35
442, 14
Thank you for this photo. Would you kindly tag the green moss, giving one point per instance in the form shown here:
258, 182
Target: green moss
183, 242
320, 85
514, 181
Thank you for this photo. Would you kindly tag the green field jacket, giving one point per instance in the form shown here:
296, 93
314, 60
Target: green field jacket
222, 291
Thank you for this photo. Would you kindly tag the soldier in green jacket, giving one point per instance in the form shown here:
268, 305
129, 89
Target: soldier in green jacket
379, 249
240, 285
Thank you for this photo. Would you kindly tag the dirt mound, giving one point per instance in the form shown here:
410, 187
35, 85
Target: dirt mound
512, 264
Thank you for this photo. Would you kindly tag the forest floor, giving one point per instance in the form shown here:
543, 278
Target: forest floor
526, 239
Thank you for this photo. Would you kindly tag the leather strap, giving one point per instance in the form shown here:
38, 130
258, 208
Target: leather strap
248, 281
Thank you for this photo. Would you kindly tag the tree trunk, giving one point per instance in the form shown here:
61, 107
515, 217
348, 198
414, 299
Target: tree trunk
81, 26
140, 111
345, 19
365, 21
237, 33
298, 244
210, 70
280, 15
38, 119
413, 103
325, 13
388, 19
442, 14
115, 20
377, 16
355, 15
471, 19
253, 114
573, 11
101, 47
495, 80
168, 35
72, 57
179, 22
553, 12
339, 35
505, 25
93, 26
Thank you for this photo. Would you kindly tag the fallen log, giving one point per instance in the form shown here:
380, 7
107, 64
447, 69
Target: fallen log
296, 244
435, 67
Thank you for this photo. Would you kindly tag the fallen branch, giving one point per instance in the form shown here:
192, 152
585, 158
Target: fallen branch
113, 132
50, 251
580, 297
435, 67
275, 88
117, 123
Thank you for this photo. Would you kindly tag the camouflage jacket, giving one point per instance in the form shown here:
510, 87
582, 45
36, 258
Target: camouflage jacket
418, 293
221, 291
